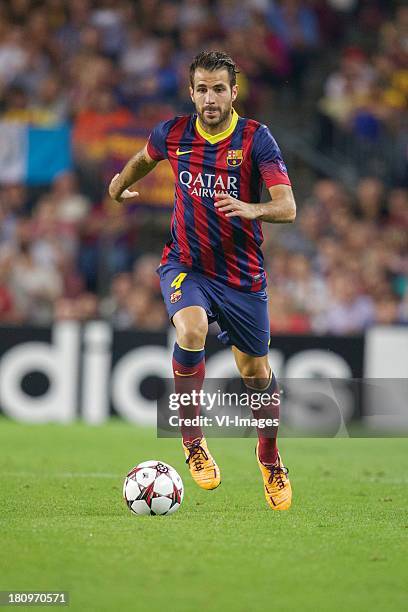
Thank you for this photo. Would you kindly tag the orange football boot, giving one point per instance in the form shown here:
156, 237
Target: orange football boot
202, 466
278, 492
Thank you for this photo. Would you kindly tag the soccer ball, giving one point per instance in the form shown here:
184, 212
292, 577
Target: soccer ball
153, 487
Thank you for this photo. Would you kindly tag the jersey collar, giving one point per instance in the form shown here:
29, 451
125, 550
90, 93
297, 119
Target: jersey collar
214, 138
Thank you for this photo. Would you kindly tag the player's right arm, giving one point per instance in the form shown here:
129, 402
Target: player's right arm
142, 163
136, 168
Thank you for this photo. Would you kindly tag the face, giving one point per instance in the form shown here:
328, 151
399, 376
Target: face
213, 96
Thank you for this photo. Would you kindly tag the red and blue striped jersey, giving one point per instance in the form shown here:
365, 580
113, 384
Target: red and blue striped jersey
236, 161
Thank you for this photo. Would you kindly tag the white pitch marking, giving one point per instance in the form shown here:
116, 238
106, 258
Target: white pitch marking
61, 475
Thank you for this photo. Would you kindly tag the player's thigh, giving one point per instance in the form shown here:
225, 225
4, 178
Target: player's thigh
187, 306
244, 321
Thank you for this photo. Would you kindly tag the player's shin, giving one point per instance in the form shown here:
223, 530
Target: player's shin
189, 372
265, 403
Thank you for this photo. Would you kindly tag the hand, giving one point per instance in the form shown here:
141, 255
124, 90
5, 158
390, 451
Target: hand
116, 192
235, 208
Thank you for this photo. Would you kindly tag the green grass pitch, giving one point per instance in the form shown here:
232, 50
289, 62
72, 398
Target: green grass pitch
64, 526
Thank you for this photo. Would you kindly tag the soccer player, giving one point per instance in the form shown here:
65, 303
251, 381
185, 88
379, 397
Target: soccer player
212, 268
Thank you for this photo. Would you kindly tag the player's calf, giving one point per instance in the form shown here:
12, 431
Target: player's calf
189, 372
189, 364
259, 379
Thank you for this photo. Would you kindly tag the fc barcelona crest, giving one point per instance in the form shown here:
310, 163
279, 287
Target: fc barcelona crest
234, 157
175, 296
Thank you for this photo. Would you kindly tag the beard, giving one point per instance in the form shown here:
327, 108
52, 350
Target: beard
218, 119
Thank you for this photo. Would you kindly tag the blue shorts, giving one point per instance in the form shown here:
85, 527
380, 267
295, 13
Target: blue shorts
242, 316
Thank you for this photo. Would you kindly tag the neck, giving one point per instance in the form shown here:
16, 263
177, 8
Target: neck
216, 129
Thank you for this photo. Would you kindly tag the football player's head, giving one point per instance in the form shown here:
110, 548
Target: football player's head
213, 87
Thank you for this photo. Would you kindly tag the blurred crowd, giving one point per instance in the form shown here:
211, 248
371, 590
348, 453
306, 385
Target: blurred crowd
342, 267
66, 252
95, 61
363, 112
59, 59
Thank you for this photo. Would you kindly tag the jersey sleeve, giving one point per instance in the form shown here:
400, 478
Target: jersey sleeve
156, 145
267, 156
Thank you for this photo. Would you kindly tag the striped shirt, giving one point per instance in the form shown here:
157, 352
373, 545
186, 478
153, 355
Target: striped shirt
236, 161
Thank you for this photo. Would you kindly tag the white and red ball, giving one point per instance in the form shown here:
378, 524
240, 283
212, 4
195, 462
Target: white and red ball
153, 487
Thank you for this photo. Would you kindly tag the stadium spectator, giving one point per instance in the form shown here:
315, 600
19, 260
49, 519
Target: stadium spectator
35, 287
386, 311
370, 194
13, 55
296, 24
115, 306
307, 289
140, 56
283, 315
8, 312
95, 121
348, 311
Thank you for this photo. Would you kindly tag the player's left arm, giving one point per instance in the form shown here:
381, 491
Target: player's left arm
280, 209
267, 158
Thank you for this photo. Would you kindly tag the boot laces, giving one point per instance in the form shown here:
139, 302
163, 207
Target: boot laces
277, 472
197, 454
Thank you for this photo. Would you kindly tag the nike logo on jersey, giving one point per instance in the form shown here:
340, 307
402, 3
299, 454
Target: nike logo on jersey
180, 374
178, 152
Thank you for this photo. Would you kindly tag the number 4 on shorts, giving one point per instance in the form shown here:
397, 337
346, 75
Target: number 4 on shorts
178, 280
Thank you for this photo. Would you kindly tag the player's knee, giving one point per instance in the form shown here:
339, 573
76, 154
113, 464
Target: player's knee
192, 337
255, 375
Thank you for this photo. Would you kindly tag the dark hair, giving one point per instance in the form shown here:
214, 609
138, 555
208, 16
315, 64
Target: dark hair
214, 60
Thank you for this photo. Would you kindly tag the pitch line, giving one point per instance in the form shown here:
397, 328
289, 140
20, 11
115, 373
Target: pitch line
61, 475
